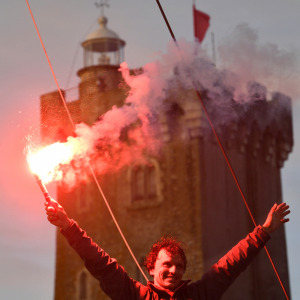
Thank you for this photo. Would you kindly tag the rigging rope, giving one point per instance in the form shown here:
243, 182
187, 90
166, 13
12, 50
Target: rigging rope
221, 147
90, 167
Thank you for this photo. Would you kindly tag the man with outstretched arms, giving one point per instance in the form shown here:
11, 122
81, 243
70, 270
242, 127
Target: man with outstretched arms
166, 262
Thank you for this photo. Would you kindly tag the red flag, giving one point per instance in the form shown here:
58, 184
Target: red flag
201, 24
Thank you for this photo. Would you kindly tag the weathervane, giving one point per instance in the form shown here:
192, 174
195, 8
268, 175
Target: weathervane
102, 4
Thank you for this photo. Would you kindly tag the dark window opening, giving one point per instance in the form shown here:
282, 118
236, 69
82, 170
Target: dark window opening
143, 182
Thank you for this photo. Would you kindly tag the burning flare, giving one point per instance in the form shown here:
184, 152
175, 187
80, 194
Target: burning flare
46, 162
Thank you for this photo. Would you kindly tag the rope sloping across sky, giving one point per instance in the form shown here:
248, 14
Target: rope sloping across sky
222, 148
90, 167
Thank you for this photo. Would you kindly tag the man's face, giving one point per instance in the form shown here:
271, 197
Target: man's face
168, 270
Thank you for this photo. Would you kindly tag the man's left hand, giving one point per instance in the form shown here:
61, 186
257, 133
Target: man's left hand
276, 217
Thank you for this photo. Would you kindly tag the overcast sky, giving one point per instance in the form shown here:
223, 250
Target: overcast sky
27, 245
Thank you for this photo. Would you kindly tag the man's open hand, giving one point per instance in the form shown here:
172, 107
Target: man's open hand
276, 217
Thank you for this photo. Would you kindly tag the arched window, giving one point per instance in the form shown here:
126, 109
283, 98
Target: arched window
150, 181
139, 183
144, 182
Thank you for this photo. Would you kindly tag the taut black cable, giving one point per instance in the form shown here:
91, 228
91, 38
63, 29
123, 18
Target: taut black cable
221, 146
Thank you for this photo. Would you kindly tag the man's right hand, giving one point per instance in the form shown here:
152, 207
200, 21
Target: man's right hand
57, 215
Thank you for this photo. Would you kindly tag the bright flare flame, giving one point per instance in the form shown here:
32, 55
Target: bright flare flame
46, 161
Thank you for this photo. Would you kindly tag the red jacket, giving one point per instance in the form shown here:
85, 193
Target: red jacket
116, 283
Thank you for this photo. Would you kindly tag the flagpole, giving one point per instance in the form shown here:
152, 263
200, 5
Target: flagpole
213, 48
194, 7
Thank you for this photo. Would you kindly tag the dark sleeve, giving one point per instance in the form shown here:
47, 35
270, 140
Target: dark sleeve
112, 277
229, 267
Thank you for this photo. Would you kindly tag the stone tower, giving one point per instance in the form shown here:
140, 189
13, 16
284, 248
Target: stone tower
187, 191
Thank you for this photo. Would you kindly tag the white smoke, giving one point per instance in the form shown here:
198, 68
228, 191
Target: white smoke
243, 54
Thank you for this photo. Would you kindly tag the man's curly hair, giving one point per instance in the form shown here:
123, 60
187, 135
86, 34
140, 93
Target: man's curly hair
170, 244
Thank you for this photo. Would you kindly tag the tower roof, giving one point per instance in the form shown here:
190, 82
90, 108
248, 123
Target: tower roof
103, 39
